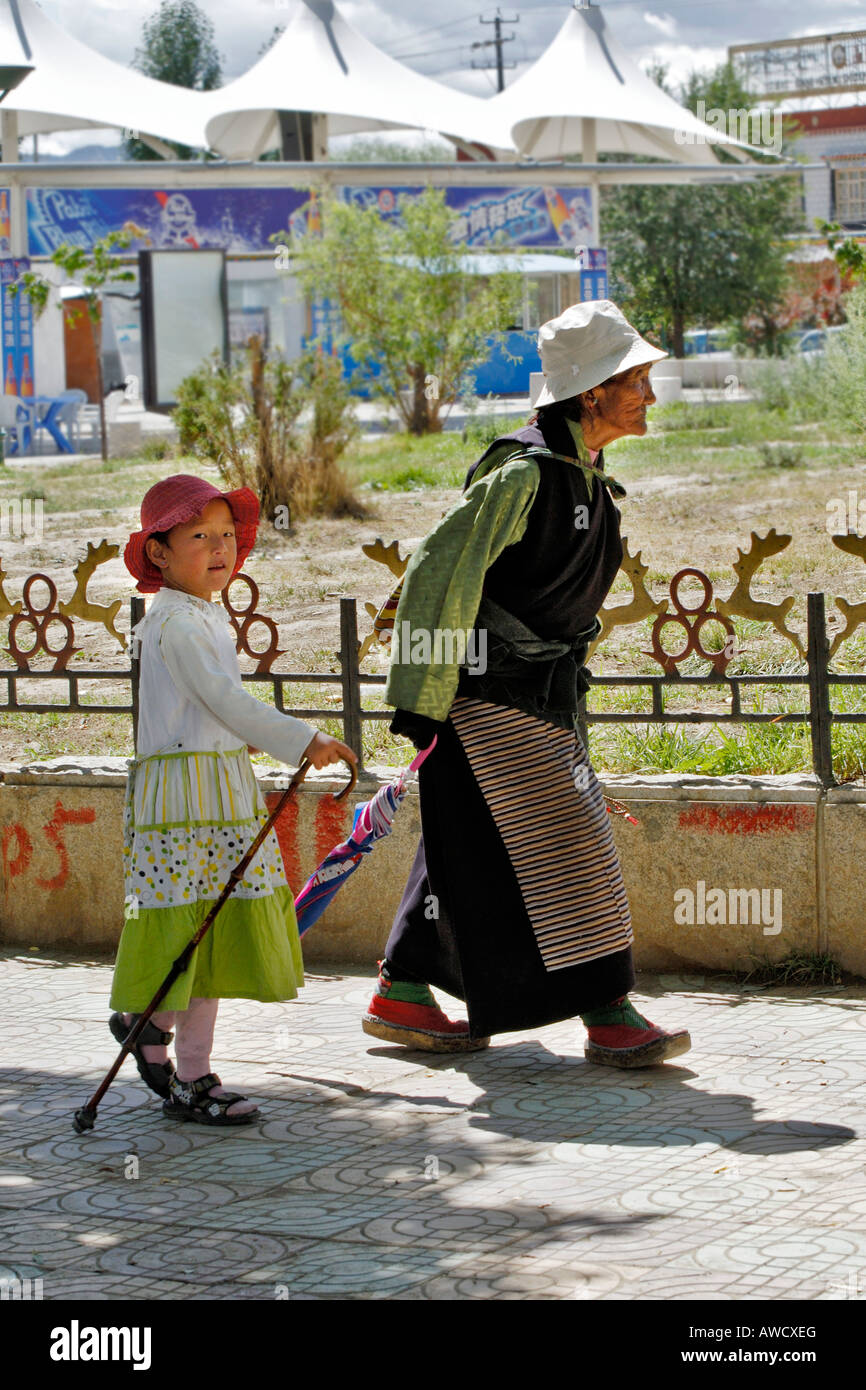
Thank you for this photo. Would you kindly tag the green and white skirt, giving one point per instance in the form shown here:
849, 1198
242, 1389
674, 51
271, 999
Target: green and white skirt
188, 819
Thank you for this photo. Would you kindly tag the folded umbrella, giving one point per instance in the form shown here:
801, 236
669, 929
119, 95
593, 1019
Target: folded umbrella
373, 821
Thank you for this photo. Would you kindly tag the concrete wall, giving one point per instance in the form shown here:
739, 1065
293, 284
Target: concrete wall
698, 840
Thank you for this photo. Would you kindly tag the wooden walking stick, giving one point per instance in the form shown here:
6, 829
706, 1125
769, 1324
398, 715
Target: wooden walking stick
84, 1118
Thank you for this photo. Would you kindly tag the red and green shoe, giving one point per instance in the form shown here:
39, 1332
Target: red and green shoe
407, 1013
621, 1037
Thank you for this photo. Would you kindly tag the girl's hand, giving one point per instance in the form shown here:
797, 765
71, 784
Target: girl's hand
322, 749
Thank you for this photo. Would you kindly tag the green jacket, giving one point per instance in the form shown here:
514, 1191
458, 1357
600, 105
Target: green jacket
442, 586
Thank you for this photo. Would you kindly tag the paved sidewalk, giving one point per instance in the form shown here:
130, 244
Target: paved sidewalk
521, 1172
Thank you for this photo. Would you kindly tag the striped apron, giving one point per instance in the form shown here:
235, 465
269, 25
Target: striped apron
515, 901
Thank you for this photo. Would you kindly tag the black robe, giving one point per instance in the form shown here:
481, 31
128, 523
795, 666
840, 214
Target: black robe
462, 923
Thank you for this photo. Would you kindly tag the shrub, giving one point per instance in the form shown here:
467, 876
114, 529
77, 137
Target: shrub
845, 361
832, 383
277, 427
782, 455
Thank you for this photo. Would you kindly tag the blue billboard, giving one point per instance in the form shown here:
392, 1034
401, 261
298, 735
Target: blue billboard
230, 219
487, 217
243, 220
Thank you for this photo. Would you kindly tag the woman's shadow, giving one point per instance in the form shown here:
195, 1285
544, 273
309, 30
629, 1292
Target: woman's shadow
533, 1094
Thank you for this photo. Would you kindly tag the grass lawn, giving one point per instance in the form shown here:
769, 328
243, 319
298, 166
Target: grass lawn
703, 478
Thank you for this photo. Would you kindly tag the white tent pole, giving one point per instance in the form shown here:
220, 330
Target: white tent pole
320, 137
17, 195
158, 146
10, 137
589, 155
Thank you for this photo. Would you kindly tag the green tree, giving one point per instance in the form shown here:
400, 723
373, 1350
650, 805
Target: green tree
93, 270
692, 253
177, 47
276, 33
848, 253
407, 302
370, 150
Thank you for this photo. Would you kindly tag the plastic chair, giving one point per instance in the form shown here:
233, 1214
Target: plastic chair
18, 419
69, 416
89, 414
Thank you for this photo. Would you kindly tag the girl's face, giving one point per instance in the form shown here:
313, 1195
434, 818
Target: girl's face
199, 556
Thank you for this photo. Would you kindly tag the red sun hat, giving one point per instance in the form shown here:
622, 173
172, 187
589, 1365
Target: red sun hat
178, 499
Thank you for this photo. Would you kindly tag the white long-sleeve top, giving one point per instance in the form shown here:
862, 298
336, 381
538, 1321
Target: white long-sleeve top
191, 698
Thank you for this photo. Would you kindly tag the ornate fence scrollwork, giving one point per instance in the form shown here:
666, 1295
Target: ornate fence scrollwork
691, 620
740, 603
853, 613
243, 619
38, 621
79, 606
25, 615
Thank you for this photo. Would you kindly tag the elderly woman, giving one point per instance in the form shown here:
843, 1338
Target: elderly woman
515, 902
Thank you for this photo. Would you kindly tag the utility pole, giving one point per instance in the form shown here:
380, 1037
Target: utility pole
497, 42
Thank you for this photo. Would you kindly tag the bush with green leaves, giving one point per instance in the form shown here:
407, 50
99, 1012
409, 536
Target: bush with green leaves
275, 426
830, 384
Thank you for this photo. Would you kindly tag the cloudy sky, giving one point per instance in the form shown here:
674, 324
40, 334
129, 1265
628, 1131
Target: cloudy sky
684, 34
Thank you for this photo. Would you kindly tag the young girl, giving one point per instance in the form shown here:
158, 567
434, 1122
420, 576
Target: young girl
193, 805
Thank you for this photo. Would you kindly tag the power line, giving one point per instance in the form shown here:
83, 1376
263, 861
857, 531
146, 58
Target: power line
429, 52
418, 34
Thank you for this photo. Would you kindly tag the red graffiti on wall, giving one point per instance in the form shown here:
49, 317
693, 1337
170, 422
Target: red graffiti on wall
53, 831
748, 820
54, 835
331, 827
286, 828
24, 853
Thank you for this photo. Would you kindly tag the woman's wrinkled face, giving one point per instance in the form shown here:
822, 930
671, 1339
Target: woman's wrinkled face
621, 403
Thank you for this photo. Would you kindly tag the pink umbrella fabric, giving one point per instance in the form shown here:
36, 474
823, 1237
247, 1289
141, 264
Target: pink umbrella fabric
374, 820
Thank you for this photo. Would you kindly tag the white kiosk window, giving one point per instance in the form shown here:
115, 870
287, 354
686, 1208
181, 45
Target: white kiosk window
184, 318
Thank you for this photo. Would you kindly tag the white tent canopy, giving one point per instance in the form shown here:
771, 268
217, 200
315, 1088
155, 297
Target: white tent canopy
585, 95
15, 56
73, 87
322, 65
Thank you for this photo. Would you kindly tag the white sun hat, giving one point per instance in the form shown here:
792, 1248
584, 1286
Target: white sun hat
585, 345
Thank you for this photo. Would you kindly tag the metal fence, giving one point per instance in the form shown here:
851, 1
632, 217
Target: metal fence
816, 680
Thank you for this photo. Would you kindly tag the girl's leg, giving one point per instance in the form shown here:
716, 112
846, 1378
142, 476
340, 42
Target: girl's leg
195, 1029
155, 1052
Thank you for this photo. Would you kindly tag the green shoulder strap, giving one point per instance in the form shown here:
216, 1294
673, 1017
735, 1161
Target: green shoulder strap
616, 489
515, 450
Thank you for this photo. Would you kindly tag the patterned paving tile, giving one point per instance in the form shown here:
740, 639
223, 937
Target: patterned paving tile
50, 1241
357, 1271
192, 1256
518, 1173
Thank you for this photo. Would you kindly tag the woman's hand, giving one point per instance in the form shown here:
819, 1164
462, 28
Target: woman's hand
322, 750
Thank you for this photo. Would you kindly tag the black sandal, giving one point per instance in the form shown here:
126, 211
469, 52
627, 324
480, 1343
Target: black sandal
189, 1100
156, 1075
